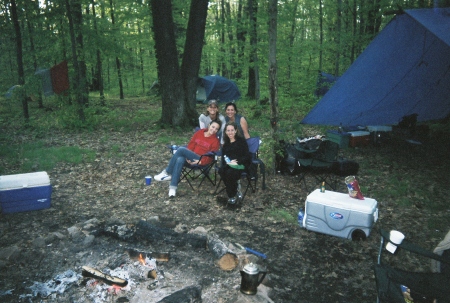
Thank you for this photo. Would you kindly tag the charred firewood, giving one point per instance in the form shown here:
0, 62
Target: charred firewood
110, 280
158, 256
190, 294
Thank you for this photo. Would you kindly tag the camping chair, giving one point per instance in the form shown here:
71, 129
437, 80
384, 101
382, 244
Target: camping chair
193, 172
250, 174
424, 286
319, 163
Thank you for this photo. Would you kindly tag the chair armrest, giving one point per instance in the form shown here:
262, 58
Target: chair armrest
409, 246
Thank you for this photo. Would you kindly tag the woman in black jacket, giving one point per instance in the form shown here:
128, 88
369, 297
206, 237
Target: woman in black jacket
235, 159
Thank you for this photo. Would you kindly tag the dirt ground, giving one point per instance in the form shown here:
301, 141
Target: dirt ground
302, 266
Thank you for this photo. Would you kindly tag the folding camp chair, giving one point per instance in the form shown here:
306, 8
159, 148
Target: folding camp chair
250, 174
319, 163
423, 286
192, 172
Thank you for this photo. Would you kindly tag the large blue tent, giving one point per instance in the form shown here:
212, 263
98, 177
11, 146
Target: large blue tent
404, 71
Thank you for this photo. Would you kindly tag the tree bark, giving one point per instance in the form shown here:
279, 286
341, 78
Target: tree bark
273, 86
253, 71
192, 55
240, 37
338, 38
118, 66
172, 93
225, 259
19, 57
98, 71
75, 20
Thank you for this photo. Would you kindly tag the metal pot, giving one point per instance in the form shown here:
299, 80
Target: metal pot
252, 276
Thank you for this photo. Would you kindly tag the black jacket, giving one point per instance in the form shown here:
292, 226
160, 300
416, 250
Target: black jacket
237, 150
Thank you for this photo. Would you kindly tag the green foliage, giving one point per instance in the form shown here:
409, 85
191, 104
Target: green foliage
35, 156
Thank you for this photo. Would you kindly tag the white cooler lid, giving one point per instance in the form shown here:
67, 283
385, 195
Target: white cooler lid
9, 182
342, 201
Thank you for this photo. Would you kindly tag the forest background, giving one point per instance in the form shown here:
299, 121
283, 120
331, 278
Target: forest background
272, 49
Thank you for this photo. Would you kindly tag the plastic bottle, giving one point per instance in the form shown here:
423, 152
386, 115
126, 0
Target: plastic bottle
322, 188
300, 216
227, 160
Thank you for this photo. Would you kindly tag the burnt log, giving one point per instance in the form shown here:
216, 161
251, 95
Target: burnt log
152, 233
190, 294
226, 259
110, 280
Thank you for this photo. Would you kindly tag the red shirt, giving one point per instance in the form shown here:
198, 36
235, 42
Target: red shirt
201, 145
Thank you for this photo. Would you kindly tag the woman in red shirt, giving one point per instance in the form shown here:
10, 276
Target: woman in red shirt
204, 141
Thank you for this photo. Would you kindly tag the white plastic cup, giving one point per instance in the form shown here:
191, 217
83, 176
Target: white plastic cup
395, 238
148, 180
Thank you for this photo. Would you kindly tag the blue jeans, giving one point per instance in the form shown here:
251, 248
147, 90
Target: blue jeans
177, 162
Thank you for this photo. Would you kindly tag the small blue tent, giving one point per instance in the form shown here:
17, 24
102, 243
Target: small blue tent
218, 88
404, 71
324, 82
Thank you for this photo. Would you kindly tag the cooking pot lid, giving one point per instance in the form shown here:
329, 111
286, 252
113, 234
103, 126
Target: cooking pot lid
251, 268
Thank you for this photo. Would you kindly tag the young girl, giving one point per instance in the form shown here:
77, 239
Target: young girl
235, 148
203, 141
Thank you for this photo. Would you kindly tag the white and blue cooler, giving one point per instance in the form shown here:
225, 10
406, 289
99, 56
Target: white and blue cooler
340, 215
25, 192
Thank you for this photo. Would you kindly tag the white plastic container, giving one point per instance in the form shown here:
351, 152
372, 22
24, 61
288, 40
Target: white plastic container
339, 215
25, 192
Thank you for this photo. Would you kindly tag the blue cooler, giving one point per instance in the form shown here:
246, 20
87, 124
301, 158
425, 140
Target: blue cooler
25, 192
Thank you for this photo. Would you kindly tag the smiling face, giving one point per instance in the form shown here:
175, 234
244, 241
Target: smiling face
230, 131
213, 128
213, 109
230, 111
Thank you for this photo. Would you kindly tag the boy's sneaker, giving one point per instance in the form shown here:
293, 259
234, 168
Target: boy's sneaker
163, 176
172, 192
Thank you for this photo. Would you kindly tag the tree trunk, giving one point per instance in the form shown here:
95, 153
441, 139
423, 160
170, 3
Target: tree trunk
338, 38
240, 36
273, 94
320, 35
141, 61
291, 42
21, 78
119, 71
192, 55
98, 71
172, 93
253, 71
75, 14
